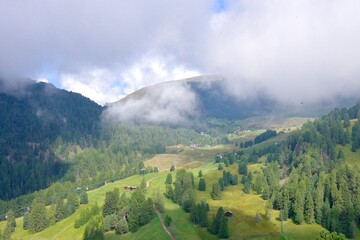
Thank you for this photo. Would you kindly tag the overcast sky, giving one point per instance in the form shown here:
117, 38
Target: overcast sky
296, 50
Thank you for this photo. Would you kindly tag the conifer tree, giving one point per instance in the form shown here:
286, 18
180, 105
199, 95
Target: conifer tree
202, 184
111, 203
216, 192
172, 168
10, 221
223, 228
122, 226
309, 208
84, 198
26, 220
38, 218
200, 174
59, 209
168, 179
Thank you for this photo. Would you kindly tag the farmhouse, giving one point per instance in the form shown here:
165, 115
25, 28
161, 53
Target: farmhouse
130, 188
228, 214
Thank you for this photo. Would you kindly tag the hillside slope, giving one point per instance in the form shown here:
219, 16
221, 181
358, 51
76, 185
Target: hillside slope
31, 118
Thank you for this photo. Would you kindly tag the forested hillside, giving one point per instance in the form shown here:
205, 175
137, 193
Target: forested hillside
31, 118
307, 178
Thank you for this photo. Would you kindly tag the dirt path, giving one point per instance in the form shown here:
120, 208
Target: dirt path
163, 225
148, 182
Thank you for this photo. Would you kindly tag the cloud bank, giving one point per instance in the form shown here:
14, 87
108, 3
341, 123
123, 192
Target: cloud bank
170, 103
294, 50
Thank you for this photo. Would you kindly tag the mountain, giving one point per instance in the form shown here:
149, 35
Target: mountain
32, 117
198, 98
189, 99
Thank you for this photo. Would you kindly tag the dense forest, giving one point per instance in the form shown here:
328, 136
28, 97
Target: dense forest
31, 119
306, 176
51, 135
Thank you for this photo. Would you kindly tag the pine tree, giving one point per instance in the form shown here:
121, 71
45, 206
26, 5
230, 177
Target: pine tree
10, 221
59, 210
200, 174
168, 220
222, 184
298, 207
122, 226
215, 224
216, 192
168, 179
143, 185
309, 208
346, 220
84, 198
202, 184
94, 230
72, 202
158, 199
170, 194
111, 203
38, 218
26, 220
324, 235
172, 168
223, 228
204, 222
51, 214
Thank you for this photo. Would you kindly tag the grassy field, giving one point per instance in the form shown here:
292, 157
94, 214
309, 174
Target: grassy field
244, 207
352, 159
186, 157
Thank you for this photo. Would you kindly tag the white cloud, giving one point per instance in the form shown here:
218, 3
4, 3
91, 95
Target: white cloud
96, 85
172, 103
293, 49
151, 70
42, 79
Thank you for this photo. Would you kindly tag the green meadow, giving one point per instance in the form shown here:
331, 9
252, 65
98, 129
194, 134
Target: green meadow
242, 225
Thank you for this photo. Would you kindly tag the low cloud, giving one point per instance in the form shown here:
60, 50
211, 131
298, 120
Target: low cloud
170, 103
295, 51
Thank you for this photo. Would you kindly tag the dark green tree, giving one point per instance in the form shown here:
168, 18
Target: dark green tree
309, 208
216, 222
172, 168
168, 220
122, 226
200, 174
10, 221
26, 220
216, 192
59, 210
111, 203
94, 230
223, 228
202, 184
324, 235
38, 217
84, 198
168, 179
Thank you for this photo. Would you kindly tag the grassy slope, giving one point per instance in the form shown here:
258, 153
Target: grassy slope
241, 225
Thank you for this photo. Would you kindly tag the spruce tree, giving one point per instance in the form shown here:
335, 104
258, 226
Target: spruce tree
309, 208
202, 184
168, 179
200, 174
59, 210
172, 168
38, 218
223, 228
10, 221
84, 198
216, 192
26, 220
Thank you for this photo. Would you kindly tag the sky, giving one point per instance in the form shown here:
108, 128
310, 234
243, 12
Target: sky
298, 50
